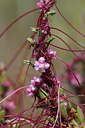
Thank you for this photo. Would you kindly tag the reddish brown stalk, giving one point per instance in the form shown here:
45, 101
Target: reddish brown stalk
22, 64
16, 21
72, 73
68, 21
15, 56
25, 80
14, 85
72, 50
68, 36
22, 67
65, 43
12, 93
67, 49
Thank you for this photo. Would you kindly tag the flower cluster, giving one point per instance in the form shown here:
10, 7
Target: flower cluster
73, 80
78, 67
78, 70
51, 54
31, 91
40, 4
9, 105
41, 65
6, 83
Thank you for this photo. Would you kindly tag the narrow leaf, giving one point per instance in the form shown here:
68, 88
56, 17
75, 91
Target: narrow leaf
69, 105
63, 109
43, 94
80, 115
51, 12
28, 62
40, 32
30, 40
49, 39
74, 123
75, 112
34, 29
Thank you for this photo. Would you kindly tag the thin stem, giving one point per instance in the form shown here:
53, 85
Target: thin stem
15, 56
68, 36
72, 73
58, 111
13, 93
68, 21
16, 21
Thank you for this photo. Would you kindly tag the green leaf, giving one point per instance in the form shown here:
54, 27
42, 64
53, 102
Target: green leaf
74, 123
15, 125
61, 91
80, 115
3, 77
28, 62
30, 40
51, 12
43, 94
34, 29
69, 105
49, 39
63, 109
51, 119
40, 32
75, 114
7, 121
1, 113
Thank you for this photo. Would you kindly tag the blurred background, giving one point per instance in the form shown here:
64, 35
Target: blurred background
74, 12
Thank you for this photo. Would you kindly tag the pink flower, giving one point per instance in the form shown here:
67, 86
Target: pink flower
51, 54
33, 87
6, 83
30, 94
41, 60
40, 4
46, 65
10, 105
36, 63
37, 80
41, 65
65, 104
30, 91
44, 85
73, 80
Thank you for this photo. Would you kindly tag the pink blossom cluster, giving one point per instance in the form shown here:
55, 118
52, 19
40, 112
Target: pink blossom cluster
51, 54
40, 4
10, 105
33, 86
41, 65
73, 80
6, 83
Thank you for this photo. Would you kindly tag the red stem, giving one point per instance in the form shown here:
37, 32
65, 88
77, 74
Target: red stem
16, 21
64, 43
72, 73
15, 56
68, 21
68, 36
